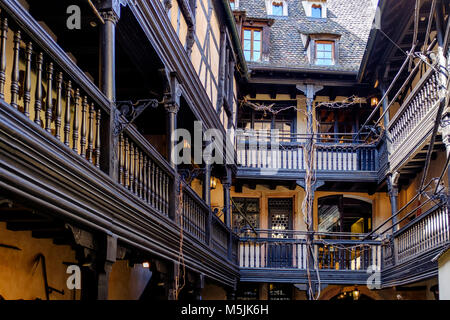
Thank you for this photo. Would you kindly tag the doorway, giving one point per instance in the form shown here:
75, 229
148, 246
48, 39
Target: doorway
280, 221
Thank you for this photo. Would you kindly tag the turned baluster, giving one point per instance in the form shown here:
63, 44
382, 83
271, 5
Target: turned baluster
126, 157
3, 38
67, 113
139, 180
157, 191
27, 82
166, 200
121, 159
136, 170
83, 127
151, 185
97, 138
144, 178
131, 167
15, 71
90, 147
59, 81
75, 121
38, 93
49, 102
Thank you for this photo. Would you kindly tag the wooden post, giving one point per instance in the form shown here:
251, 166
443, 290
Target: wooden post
392, 182
207, 198
106, 256
110, 14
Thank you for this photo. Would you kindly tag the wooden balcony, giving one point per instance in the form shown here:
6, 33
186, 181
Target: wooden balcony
282, 257
411, 127
408, 254
265, 157
342, 258
55, 153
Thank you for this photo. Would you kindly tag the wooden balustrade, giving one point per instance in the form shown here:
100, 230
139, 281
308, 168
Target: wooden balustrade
142, 174
290, 253
429, 231
411, 121
34, 84
290, 156
220, 236
195, 214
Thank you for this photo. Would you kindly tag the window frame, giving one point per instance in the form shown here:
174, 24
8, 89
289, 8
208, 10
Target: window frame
252, 39
316, 6
333, 55
276, 3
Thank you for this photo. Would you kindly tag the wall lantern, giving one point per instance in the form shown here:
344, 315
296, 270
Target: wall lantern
356, 294
146, 264
213, 183
374, 101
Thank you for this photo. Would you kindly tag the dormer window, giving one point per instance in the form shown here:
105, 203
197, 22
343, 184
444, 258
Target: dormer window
277, 8
252, 43
316, 11
324, 53
315, 8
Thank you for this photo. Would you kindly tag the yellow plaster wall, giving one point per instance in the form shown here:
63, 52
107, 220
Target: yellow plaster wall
127, 283
20, 278
380, 203
213, 292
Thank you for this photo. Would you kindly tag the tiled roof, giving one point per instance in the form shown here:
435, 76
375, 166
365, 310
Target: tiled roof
351, 19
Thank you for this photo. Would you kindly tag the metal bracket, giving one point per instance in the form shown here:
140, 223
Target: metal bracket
128, 111
188, 175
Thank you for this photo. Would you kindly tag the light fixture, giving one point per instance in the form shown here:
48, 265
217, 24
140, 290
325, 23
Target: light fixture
146, 264
213, 183
93, 24
423, 18
186, 144
356, 294
374, 101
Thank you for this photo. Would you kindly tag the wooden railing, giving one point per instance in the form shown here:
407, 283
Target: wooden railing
220, 237
195, 214
40, 87
291, 253
428, 231
415, 117
142, 172
256, 152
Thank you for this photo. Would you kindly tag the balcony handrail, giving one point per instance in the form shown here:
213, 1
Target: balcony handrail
149, 150
305, 233
408, 99
37, 33
417, 219
191, 193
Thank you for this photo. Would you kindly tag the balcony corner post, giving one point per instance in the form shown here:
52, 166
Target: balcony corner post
110, 13
227, 208
172, 106
392, 182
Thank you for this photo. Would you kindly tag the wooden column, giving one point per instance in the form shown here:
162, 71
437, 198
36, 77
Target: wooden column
110, 14
206, 195
227, 209
392, 182
106, 256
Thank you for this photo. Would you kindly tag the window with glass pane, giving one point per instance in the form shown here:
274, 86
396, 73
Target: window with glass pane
245, 214
232, 4
324, 53
277, 8
252, 44
316, 11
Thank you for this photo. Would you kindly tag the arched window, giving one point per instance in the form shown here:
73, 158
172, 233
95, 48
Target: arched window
316, 11
277, 8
